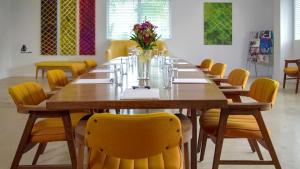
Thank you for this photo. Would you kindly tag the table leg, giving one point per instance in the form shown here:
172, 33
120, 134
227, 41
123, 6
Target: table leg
70, 138
194, 139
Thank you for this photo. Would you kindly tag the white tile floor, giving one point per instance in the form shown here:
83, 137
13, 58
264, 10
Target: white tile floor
283, 121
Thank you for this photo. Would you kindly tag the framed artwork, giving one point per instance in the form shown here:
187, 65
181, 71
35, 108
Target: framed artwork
68, 27
48, 27
217, 23
87, 27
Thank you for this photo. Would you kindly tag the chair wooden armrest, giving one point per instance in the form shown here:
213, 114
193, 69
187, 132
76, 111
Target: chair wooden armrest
230, 87
235, 92
287, 61
213, 76
239, 108
219, 80
51, 93
205, 71
32, 108
40, 109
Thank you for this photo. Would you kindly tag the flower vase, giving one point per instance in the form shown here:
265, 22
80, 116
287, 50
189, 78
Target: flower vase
143, 64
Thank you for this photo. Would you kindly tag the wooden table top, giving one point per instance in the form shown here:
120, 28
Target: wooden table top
107, 96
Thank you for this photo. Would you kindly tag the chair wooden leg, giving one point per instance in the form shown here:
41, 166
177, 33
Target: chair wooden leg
43, 73
297, 85
251, 145
203, 147
24, 141
267, 139
200, 138
257, 149
80, 156
220, 138
70, 138
40, 150
186, 155
36, 73
284, 80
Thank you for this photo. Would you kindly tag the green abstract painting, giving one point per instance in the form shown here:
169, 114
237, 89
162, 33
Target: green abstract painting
217, 23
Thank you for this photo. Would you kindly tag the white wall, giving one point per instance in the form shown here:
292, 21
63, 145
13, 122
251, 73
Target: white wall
26, 30
4, 37
187, 32
283, 26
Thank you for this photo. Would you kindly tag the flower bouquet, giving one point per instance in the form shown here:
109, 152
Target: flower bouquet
144, 34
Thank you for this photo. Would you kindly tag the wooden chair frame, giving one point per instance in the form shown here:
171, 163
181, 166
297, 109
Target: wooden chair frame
241, 109
35, 112
289, 76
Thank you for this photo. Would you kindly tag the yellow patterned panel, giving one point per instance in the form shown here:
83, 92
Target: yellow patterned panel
68, 27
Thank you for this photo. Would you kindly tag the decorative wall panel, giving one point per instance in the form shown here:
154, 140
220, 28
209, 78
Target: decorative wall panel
217, 23
68, 27
49, 27
87, 27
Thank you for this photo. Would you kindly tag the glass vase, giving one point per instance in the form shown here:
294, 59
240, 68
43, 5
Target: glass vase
143, 64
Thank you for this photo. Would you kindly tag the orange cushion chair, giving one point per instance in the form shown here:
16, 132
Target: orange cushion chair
292, 72
57, 79
134, 141
206, 64
242, 120
217, 70
237, 79
29, 98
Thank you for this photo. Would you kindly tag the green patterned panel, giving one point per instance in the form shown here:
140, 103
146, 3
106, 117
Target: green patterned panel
68, 27
217, 23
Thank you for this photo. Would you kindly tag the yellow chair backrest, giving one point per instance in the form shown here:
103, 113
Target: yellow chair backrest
148, 140
56, 78
238, 77
90, 63
28, 93
264, 90
119, 48
206, 64
218, 69
78, 69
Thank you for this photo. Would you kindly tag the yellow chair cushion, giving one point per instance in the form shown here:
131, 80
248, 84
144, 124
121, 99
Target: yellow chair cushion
238, 126
166, 160
291, 70
52, 129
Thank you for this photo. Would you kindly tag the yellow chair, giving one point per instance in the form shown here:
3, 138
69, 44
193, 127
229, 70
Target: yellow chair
90, 63
28, 98
242, 120
134, 141
237, 79
77, 70
206, 64
217, 70
119, 48
57, 79
292, 72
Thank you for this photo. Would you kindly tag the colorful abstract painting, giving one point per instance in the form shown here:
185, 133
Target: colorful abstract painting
217, 23
49, 27
68, 27
87, 27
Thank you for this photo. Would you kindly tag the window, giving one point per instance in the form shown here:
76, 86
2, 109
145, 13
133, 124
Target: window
297, 19
123, 14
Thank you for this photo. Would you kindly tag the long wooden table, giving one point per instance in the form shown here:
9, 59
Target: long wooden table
193, 97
